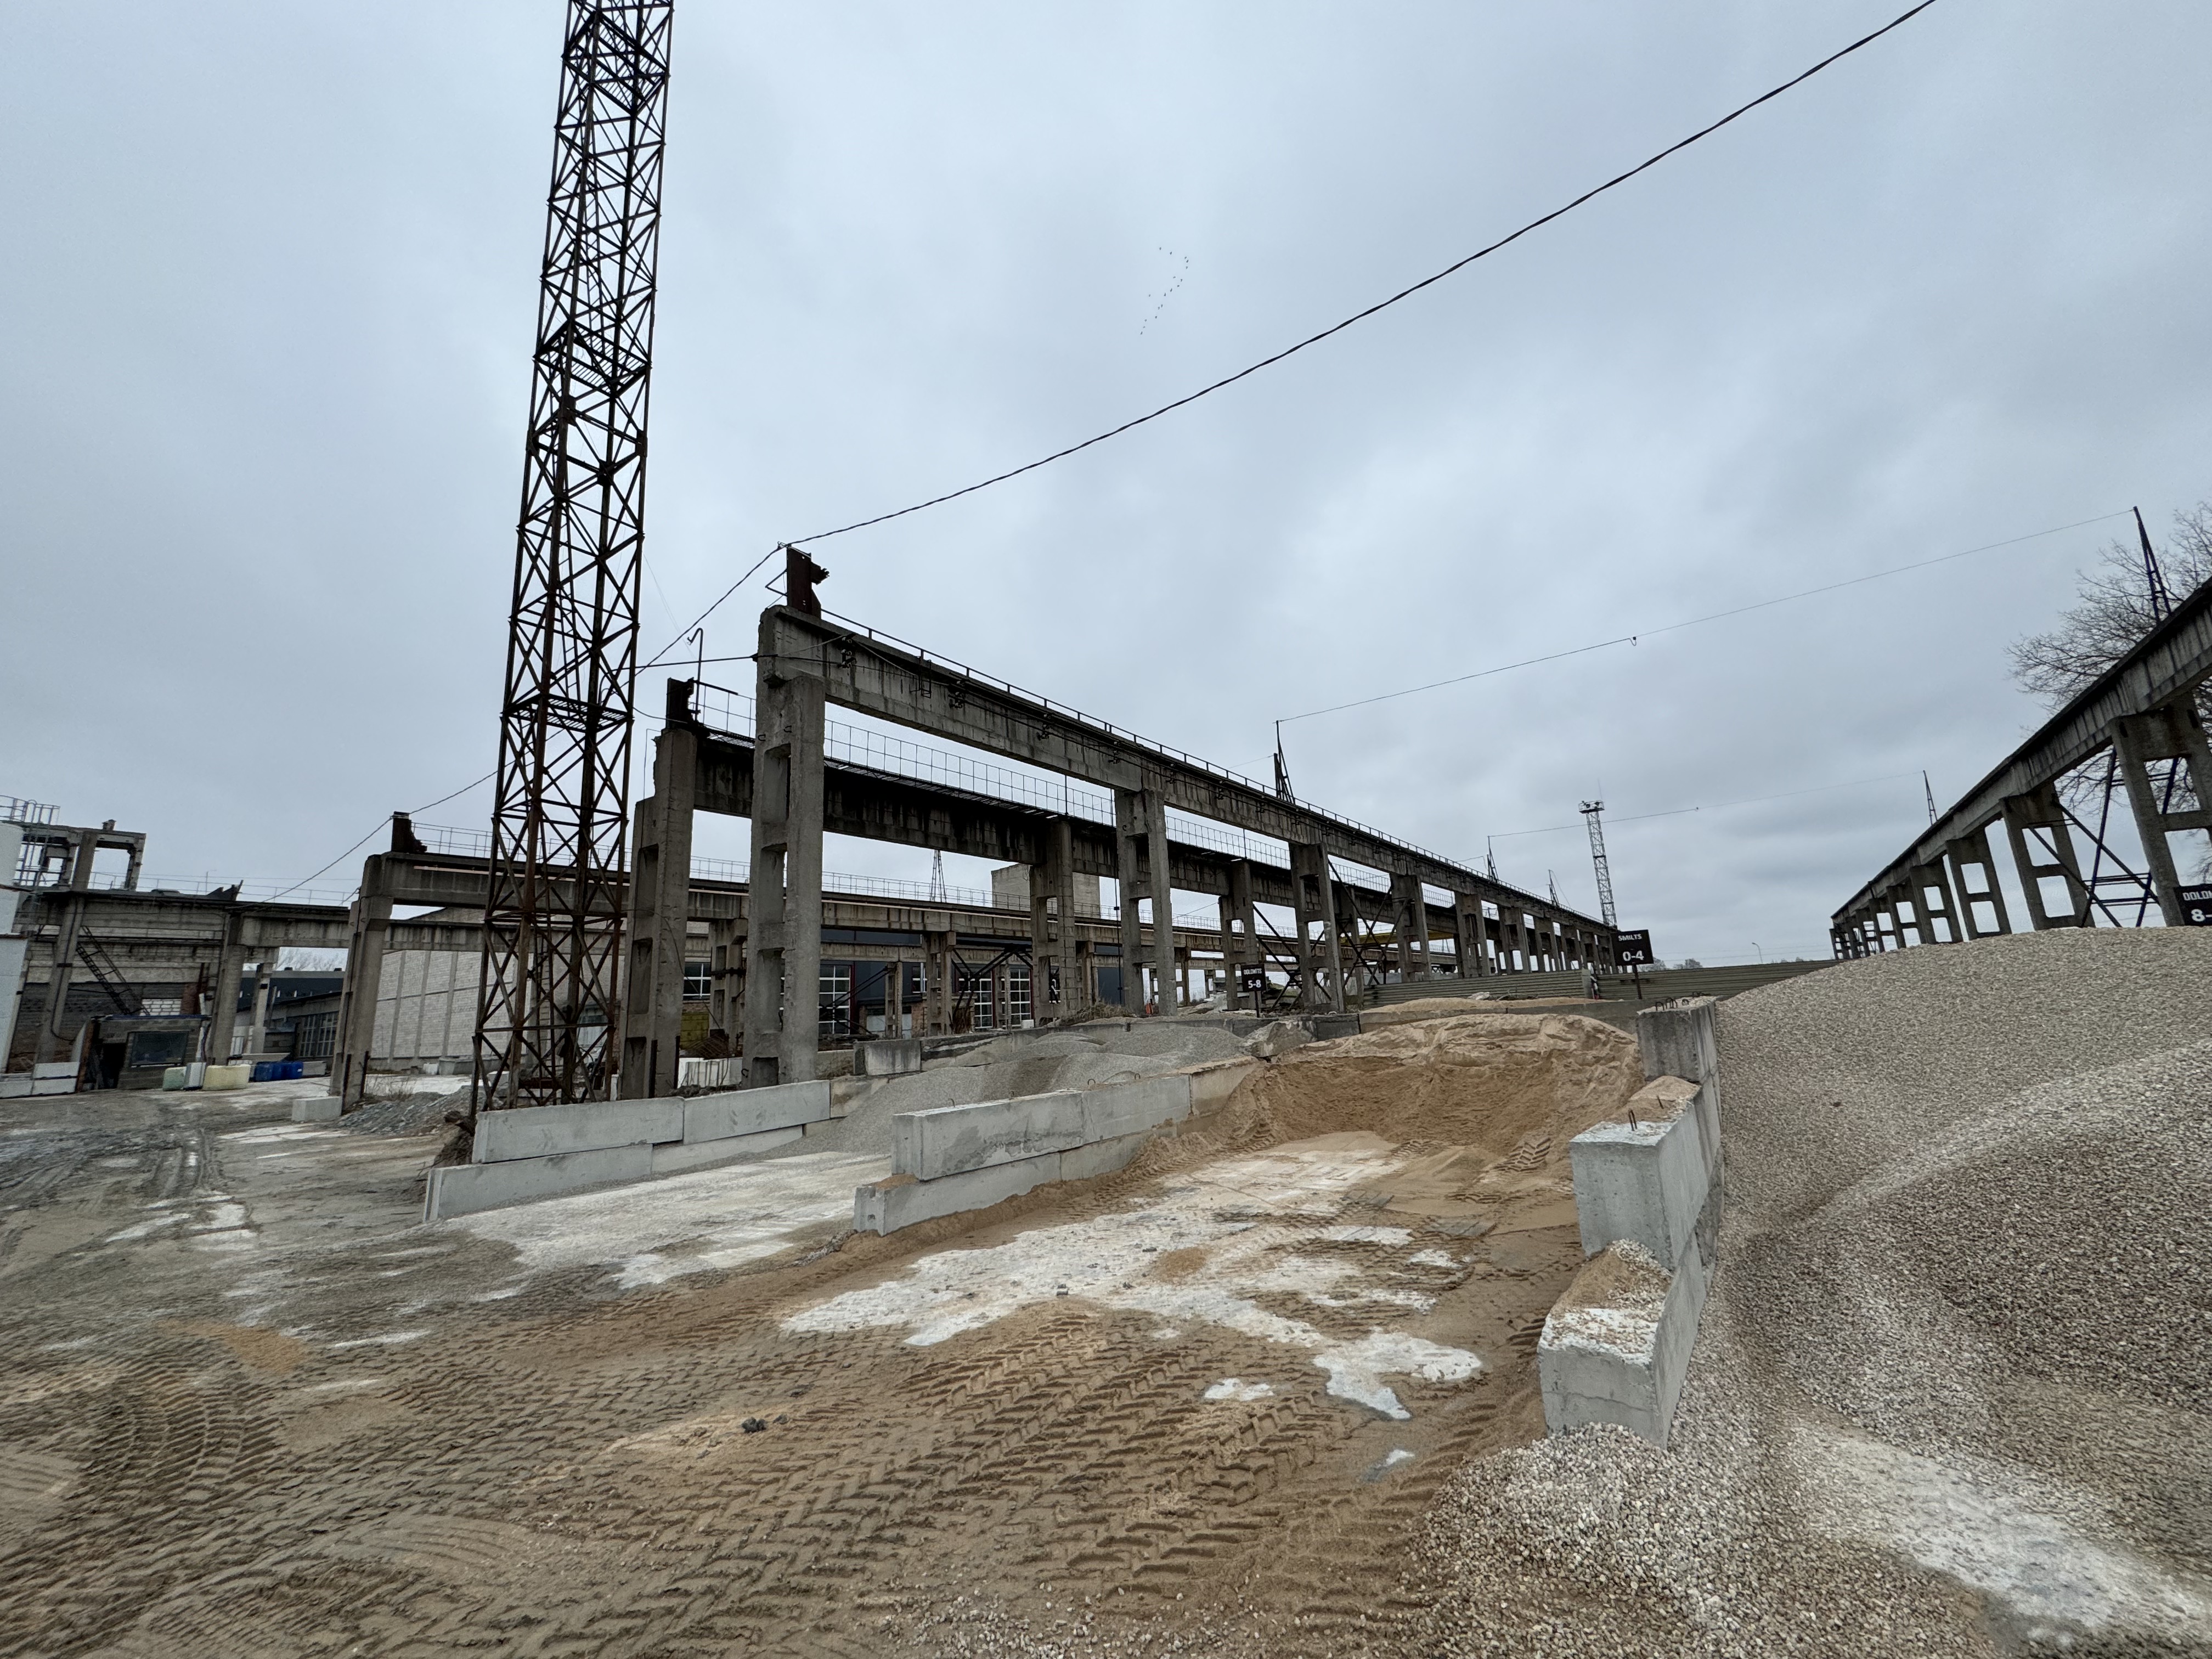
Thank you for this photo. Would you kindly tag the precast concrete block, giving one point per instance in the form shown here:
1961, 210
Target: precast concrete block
1098, 1158
1328, 1027
676, 1157
948, 1140
753, 1111
216, 1077
1210, 1085
1617, 1345
891, 1057
465, 1188
1128, 1109
581, 1125
1680, 1039
1645, 1182
884, 1206
317, 1108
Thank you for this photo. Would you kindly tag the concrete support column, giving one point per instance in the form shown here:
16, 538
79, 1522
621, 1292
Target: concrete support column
659, 897
1054, 991
2039, 809
1409, 920
64, 960
1970, 853
783, 943
1128, 826
1467, 934
364, 975
725, 951
1935, 875
936, 973
1311, 903
257, 1034
1161, 887
2173, 733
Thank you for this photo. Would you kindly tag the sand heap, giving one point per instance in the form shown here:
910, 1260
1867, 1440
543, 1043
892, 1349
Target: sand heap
1953, 1392
1517, 1086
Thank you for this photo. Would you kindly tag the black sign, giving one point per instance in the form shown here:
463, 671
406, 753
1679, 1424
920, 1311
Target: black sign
2197, 907
1252, 980
1634, 949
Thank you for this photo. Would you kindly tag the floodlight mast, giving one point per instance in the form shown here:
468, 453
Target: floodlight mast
1595, 811
547, 1010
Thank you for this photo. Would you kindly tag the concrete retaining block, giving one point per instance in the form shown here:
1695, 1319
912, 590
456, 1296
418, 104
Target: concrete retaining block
1128, 1109
884, 1206
579, 1127
1212, 1085
320, 1108
1679, 1039
1328, 1027
217, 1077
1617, 1345
948, 1140
1099, 1157
680, 1155
752, 1111
465, 1188
1645, 1182
891, 1057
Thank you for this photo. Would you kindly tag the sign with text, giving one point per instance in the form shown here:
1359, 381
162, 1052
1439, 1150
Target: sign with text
2197, 907
1634, 949
1251, 981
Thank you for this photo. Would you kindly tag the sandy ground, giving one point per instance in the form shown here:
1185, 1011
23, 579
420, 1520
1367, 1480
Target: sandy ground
250, 1406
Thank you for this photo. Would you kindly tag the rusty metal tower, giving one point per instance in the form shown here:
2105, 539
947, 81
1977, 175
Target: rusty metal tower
546, 1002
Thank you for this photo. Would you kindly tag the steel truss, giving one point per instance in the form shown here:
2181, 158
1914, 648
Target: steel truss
547, 1005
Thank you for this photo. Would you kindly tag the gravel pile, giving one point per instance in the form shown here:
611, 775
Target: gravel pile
1953, 1392
418, 1112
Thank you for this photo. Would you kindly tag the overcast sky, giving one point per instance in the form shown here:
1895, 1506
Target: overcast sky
270, 278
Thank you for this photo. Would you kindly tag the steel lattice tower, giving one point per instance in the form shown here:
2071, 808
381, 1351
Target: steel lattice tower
1595, 811
546, 1002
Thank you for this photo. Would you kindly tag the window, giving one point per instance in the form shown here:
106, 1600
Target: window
159, 1048
836, 1000
698, 980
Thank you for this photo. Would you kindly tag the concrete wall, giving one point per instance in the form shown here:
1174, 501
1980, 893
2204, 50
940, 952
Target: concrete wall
426, 1007
1616, 1347
955, 1158
546, 1151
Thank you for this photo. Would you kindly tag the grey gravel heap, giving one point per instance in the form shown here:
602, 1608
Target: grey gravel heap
1953, 1393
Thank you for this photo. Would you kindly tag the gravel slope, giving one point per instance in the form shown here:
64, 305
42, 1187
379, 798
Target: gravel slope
1953, 1393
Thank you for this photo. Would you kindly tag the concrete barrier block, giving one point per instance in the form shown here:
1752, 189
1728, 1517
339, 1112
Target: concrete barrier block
1128, 1109
1328, 1027
318, 1109
891, 1057
225, 1077
948, 1140
579, 1127
1679, 1039
1617, 1345
1645, 1182
1211, 1085
753, 1111
1098, 1158
676, 1157
884, 1206
465, 1188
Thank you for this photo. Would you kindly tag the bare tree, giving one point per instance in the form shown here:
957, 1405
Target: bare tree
2114, 611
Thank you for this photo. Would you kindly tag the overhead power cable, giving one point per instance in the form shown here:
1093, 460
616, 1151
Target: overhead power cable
1693, 622
1227, 380
377, 830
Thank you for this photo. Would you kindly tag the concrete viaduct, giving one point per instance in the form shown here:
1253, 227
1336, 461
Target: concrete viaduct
2144, 709
781, 776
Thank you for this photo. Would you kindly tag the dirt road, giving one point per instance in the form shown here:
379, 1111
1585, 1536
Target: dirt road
248, 1406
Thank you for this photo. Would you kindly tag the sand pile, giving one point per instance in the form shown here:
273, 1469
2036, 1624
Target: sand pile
1518, 1086
1952, 1393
